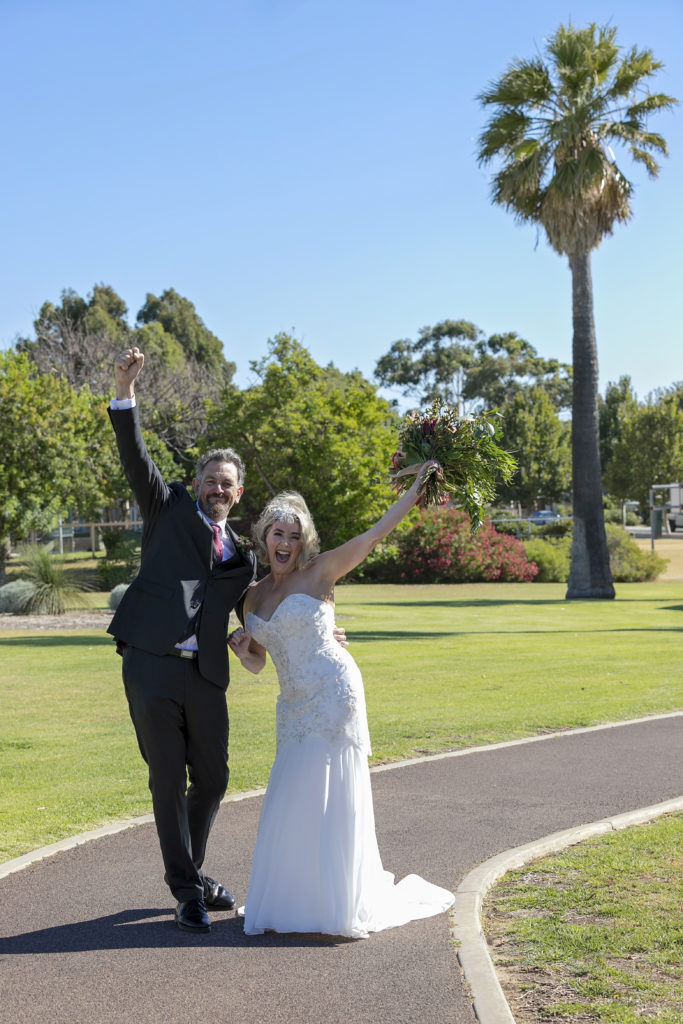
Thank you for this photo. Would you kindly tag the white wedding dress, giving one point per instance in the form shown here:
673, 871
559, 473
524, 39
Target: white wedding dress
316, 865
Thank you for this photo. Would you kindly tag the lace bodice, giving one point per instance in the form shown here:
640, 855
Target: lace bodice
321, 689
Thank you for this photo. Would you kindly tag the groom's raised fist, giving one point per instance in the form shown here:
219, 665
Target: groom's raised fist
127, 366
129, 363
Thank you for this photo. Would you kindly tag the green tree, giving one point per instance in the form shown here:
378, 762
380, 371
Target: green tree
505, 366
37, 456
455, 362
57, 453
649, 449
539, 440
77, 337
165, 350
99, 488
179, 319
41, 450
619, 402
174, 393
550, 132
190, 371
434, 366
316, 430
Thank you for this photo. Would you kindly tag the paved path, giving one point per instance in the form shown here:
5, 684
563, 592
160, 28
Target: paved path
87, 936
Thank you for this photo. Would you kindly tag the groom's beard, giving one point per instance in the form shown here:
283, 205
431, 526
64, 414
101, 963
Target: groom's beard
216, 510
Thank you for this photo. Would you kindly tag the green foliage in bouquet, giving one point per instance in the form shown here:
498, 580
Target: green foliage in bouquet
471, 461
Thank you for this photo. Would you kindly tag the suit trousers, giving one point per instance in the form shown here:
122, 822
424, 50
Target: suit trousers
181, 723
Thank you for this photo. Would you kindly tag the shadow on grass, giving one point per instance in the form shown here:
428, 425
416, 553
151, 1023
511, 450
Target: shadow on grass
399, 634
57, 641
474, 602
143, 929
489, 602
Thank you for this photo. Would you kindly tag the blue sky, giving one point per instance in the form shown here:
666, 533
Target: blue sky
291, 165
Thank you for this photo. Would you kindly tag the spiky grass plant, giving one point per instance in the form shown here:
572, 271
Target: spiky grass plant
55, 592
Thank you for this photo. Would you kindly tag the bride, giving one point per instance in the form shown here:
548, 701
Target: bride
316, 865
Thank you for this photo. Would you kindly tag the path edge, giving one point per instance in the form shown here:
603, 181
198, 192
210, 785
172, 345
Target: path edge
488, 999
33, 856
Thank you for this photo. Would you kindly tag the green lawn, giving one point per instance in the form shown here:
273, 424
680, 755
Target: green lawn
595, 932
444, 667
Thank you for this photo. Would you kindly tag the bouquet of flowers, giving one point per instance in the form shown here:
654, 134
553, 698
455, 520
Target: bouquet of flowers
465, 448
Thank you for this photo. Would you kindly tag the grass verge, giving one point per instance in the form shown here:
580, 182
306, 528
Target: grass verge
594, 933
444, 667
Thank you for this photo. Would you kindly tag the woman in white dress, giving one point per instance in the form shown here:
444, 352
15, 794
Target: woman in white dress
316, 866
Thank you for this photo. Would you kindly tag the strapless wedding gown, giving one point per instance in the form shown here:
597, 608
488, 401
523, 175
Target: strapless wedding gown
316, 866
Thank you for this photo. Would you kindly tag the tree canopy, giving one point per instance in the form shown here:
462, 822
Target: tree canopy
539, 441
455, 362
649, 448
75, 338
179, 319
620, 401
78, 339
57, 454
313, 429
552, 130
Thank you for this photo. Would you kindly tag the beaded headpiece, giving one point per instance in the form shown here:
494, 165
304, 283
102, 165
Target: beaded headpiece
284, 512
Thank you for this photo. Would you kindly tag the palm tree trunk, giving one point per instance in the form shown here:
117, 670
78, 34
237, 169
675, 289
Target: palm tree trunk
590, 575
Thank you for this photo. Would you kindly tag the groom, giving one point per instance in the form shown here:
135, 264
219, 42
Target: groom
171, 629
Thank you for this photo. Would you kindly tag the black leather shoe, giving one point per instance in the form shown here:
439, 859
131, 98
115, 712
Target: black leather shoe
191, 916
217, 896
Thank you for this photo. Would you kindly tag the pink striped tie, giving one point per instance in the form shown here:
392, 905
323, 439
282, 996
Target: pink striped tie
217, 541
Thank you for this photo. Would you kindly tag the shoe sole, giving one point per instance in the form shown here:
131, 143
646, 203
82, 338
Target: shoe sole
199, 929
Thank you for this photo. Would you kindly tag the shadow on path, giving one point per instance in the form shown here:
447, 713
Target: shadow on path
144, 929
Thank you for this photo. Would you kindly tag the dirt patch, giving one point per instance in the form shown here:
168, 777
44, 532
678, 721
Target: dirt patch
70, 620
531, 990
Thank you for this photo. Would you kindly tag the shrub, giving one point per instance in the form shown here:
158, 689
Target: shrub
109, 574
383, 565
54, 592
506, 521
15, 596
628, 562
614, 513
440, 547
560, 528
120, 544
523, 529
121, 567
116, 595
551, 557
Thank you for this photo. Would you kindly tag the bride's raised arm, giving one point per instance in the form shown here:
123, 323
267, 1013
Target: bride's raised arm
336, 563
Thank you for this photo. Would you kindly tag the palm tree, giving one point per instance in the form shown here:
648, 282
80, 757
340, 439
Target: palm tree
550, 133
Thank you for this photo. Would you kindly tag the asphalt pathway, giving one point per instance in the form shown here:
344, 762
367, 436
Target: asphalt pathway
87, 936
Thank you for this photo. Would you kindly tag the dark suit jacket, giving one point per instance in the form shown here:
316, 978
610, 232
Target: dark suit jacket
181, 588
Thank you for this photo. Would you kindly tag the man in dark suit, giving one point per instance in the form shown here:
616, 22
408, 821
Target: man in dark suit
171, 629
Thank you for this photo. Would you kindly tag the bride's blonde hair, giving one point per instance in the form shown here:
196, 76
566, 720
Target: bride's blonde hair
287, 507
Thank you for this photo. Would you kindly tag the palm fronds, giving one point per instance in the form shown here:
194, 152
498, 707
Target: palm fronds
550, 127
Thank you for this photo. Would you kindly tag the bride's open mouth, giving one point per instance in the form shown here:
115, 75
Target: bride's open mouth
282, 557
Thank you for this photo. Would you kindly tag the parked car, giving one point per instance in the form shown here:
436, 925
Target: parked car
675, 521
544, 516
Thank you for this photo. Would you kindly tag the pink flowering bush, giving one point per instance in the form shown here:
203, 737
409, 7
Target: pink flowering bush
440, 547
